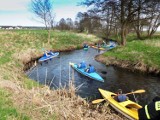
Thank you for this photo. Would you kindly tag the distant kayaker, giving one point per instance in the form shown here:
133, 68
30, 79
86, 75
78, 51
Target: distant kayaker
120, 97
46, 53
90, 69
150, 111
85, 45
82, 65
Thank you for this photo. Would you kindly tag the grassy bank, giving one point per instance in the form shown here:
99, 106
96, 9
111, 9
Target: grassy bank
22, 98
143, 55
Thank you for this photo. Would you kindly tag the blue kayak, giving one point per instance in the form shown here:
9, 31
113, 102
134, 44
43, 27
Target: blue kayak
94, 75
49, 56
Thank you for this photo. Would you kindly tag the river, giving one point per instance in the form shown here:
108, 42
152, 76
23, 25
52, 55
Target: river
57, 73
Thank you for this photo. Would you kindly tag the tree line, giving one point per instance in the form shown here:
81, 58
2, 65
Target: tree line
106, 17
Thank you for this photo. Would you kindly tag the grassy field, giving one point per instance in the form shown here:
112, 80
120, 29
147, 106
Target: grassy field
145, 51
7, 111
22, 98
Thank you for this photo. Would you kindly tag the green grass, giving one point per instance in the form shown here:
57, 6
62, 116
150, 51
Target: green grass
16, 47
13, 41
29, 84
7, 111
146, 51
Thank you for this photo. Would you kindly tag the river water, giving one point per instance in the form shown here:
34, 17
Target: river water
57, 73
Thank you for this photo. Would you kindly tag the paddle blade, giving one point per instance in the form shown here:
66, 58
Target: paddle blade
137, 91
97, 101
71, 63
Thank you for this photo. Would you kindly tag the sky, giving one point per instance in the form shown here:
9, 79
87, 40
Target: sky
16, 12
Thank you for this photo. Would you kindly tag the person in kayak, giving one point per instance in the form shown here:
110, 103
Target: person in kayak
150, 111
120, 97
46, 53
85, 45
82, 65
90, 69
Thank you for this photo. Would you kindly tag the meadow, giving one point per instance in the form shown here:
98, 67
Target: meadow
22, 98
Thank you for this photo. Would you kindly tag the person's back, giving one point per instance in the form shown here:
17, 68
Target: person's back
91, 69
82, 65
120, 97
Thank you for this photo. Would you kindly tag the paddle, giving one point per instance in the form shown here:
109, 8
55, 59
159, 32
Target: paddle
137, 91
97, 101
101, 100
71, 63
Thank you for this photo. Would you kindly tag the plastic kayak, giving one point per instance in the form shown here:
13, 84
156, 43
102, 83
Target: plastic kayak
49, 56
100, 48
94, 75
128, 108
85, 49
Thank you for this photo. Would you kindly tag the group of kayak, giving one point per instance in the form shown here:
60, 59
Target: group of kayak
101, 46
119, 102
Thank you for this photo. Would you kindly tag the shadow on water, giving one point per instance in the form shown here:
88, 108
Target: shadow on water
56, 72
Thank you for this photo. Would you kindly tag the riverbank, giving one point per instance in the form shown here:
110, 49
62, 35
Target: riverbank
138, 55
22, 98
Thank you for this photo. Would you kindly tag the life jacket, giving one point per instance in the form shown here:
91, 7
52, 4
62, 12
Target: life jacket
121, 98
91, 69
82, 65
150, 111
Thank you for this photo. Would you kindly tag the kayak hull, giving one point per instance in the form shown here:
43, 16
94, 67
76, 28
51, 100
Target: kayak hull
99, 48
94, 76
85, 49
50, 56
128, 108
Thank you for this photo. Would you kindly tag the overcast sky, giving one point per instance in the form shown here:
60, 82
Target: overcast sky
16, 12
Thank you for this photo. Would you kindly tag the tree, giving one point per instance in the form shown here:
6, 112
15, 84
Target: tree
154, 16
62, 24
43, 11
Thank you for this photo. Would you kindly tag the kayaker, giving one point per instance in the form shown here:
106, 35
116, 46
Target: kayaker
120, 97
150, 111
46, 53
82, 65
90, 69
85, 45
104, 44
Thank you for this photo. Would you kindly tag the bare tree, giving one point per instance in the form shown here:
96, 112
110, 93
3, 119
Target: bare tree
123, 16
154, 17
43, 11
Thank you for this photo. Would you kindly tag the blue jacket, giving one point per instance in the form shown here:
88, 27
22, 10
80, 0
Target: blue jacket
122, 98
82, 65
91, 69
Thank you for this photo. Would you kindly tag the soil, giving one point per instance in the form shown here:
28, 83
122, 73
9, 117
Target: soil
131, 66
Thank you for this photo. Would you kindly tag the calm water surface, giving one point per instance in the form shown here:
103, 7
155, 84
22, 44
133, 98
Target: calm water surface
57, 72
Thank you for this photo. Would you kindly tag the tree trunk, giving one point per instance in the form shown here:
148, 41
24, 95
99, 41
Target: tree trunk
123, 36
49, 35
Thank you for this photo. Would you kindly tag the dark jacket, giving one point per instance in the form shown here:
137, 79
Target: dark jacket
150, 111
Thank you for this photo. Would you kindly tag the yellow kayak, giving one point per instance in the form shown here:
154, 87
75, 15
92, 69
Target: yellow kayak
98, 48
127, 108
